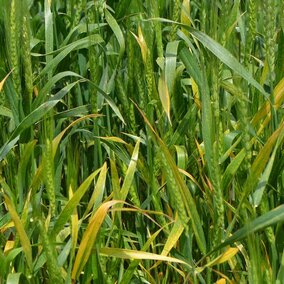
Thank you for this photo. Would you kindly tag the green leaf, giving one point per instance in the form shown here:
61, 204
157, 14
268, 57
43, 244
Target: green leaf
195, 70
232, 169
191, 64
227, 58
32, 118
130, 173
260, 223
170, 64
280, 275
15, 278
116, 30
79, 44
189, 202
5, 112
223, 54
48, 21
73, 203
257, 169
50, 84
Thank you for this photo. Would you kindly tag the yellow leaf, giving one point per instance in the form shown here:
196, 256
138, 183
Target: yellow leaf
185, 15
7, 226
74, 224
3, 81
164, 97
9, 245
279, 94
172, 239
134, 254
98, 192
191, 177
89, 237
265, 111
142, 43
265, 72
113, 139
25, 242
227, 255
195, 94
221, 281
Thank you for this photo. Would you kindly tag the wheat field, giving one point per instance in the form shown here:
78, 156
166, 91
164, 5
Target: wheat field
141, 141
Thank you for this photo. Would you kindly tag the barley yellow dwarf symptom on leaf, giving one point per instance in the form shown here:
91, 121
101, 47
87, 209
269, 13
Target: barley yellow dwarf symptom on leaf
4, 80
142, 43
185, 15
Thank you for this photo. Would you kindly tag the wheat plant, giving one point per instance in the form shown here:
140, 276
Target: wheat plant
141, 141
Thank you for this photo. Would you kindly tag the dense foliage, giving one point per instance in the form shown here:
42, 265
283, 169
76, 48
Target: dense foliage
141, 141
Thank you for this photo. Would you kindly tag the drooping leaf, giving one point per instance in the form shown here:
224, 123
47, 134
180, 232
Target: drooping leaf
89, 237
24, 239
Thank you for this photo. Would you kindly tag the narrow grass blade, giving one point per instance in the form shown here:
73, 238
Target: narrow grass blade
23, 169
280, 275
109, 101
142, 43
74, 112
74, 225
89, 238
134, 254
79, 44
4, 80
260, 223
49, 36
15, 278
194, 69
127, 276
165, 97
257, 195
114, 180
98, 192
191, 64
130, 173
172, 239
257, 168
113, 139
116, 30
185, 14
50, 84
170, 64
24, 239
227, 58
5, 149
55, 143
262, 158
72, 203
5, 112
266, 108
232, 169
187, 197
32, 118
224, 257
